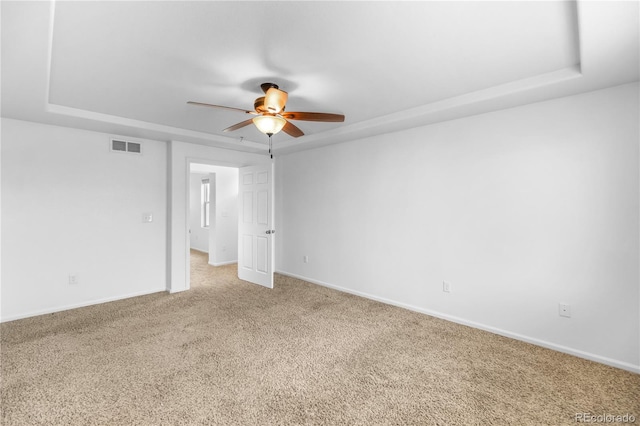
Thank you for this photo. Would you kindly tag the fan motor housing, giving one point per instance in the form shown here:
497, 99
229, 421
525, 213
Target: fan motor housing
258, 105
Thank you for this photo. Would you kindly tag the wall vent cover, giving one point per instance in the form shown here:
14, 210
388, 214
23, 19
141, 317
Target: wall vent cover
118, 145
134, 147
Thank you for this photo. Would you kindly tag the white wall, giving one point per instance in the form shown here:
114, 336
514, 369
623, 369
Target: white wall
70, 206
199, 236
518, 209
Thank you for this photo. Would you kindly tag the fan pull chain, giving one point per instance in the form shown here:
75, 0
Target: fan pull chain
270, 145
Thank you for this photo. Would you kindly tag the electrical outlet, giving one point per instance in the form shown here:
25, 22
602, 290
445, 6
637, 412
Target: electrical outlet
564, 310
305, 259
147, 217
446, 286
73, 279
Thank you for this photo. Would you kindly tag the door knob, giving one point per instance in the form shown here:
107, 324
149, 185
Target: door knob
271, 231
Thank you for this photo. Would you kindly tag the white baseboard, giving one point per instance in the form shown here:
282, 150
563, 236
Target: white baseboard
228, 262
79, 305
200, 250
564, 349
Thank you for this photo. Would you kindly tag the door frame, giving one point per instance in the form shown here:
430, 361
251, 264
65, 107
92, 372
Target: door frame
180, 156
187, 209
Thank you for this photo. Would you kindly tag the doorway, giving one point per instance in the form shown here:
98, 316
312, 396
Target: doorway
213, 215
178, 249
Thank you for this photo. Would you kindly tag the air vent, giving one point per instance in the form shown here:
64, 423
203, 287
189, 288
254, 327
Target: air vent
133, 147
118, 145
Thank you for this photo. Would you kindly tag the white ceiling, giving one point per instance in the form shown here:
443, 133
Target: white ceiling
128, 68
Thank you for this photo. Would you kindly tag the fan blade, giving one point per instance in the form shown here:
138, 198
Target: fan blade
313, 116
292, 130
220, 106
239, 125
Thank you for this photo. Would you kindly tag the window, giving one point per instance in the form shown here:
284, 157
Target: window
206, 202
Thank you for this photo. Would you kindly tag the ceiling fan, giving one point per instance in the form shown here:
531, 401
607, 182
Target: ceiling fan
270, 115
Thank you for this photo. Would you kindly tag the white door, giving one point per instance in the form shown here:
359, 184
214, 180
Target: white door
255, 225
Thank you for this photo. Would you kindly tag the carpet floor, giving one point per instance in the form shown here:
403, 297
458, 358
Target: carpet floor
231, 353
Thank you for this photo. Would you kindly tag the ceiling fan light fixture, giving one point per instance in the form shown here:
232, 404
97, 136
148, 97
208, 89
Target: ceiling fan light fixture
275, 100
270, 117
269, 124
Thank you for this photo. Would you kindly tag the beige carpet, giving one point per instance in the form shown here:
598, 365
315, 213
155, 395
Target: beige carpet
232, 353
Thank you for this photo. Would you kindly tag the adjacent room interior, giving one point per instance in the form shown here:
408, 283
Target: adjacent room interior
439, 202
213, 212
